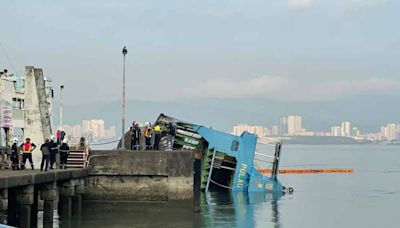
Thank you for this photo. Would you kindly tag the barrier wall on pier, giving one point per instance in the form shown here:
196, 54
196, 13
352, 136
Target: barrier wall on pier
140, 175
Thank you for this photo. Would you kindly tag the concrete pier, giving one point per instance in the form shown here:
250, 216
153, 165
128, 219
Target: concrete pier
20, 192
140, 175
48, 193
112, 175
48, 213
3, 205
25, 200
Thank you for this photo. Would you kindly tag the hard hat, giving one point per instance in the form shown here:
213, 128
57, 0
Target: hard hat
53, 138
65, 141
15, 140
27, 138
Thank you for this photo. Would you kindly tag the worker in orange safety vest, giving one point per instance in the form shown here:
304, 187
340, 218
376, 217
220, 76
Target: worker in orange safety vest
27, 149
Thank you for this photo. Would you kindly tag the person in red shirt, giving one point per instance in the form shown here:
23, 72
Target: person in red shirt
58, 136
27, 149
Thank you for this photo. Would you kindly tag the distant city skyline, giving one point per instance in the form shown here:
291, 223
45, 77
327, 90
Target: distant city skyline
292, 126
94, 128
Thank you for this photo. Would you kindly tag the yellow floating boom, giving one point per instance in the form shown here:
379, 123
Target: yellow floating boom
307, 171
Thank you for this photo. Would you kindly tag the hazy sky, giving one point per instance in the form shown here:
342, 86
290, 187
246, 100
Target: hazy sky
296, 50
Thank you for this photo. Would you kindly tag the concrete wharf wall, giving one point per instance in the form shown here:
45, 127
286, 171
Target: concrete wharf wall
140, 175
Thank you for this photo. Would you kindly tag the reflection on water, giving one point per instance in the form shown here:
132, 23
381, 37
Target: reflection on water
149, 214
218, 210
240, 209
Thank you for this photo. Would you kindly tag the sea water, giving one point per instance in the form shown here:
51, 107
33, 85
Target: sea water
368, 197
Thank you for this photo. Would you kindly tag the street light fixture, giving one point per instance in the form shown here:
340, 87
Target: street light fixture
61, 106
124, 52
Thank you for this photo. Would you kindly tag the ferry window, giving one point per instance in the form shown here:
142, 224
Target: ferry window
235, 145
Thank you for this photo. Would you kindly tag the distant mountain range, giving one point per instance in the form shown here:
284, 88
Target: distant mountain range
366, 112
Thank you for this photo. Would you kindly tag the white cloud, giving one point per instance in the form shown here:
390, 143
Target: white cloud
300, 3
283, 89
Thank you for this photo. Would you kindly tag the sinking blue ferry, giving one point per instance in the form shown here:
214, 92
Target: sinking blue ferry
229, 161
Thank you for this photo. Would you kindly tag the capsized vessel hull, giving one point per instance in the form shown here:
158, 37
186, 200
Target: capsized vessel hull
228, 161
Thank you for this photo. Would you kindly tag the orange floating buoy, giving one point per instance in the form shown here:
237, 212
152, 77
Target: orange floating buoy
304, 171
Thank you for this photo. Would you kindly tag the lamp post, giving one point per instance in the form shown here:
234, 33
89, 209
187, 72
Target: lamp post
61, 106
124, 52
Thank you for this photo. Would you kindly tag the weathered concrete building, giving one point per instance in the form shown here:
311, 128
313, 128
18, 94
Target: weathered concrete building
25, 108
7, 93
37, 116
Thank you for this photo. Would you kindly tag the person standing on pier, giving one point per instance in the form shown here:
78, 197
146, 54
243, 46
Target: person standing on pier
58, 135
135, 137
64, 152
45, 148
157, 136
62, 135
27, 149
170, 137
15, 155
147, 136
53, 150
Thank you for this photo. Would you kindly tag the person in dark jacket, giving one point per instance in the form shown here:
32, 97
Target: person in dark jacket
45, 148
62, 135
15, 155
53, 150
170, 136
64, 152
135, 137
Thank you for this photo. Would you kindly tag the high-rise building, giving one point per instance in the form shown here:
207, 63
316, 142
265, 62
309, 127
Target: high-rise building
267, 131
110, 133
240, 128
293, 124
355, 132
73, 131
275, 130
283, 126
85, 126
384, 133
96, 127
346, 129
391, 132
398, 131
336, 131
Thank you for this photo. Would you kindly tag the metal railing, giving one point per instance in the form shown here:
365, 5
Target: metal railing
265, 159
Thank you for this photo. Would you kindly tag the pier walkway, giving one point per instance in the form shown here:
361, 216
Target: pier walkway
15, 178
21, 191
